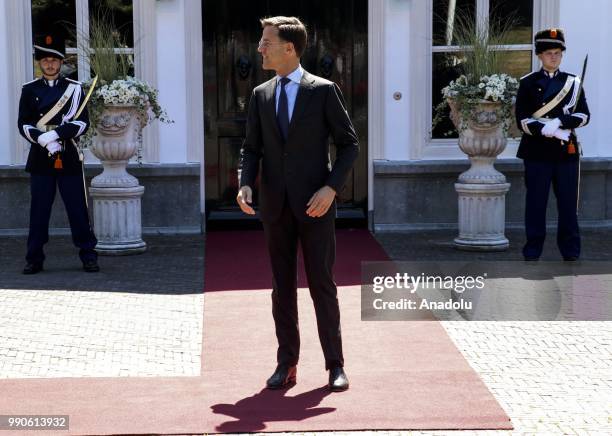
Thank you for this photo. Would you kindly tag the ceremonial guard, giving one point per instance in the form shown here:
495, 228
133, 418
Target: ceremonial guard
52, 115
550, 105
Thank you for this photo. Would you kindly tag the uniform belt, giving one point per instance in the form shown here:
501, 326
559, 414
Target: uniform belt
49, 127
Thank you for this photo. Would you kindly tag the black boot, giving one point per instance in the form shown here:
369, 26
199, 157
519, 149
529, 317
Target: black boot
284, 376
338, 380
32, 268
91, 265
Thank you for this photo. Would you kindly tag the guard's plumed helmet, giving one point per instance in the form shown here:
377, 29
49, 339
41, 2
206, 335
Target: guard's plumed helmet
49, 46
548, 39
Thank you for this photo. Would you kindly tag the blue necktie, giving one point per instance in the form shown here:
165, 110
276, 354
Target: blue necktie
282, 116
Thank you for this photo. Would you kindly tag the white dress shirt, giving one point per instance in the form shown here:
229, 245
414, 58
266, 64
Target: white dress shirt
291, 88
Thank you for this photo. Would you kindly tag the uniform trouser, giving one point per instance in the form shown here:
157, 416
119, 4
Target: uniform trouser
318, 241
42, 189
564, 179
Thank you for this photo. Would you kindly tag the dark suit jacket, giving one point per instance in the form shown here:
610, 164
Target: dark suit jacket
36, 100
535, 91
300, 166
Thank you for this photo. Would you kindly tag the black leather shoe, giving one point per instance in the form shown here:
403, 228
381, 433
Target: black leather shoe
338, 381
91, 266
531, 258
570, 258
32, 268
284, 376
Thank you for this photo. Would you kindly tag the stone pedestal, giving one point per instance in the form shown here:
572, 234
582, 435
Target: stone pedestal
116, 194
481, 189
482, 213
117, 218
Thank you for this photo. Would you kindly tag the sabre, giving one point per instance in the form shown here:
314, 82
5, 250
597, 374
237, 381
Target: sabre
584, 66
78, 113
87, 97
580, 86
81, 157
81, 108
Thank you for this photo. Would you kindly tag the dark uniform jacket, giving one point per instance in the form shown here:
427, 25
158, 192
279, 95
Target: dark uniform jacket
535, 91
37, 98
299, 167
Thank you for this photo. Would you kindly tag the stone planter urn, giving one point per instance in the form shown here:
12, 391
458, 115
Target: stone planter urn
116, 194
481, 189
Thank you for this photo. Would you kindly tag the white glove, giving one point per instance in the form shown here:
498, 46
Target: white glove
550, 127
47, 137
53, 147
562, 134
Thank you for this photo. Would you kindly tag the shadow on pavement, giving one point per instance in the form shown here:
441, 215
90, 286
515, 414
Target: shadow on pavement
172, 264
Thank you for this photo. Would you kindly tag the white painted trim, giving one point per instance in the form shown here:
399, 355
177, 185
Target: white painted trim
19, 38
376, 90
419, 75
194, 72
194, 79
482, 14
145, 66
454, 48
82, 25
546, 14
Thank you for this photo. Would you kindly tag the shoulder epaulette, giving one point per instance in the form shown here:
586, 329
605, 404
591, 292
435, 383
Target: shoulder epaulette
527, 75
74, 81
31, 81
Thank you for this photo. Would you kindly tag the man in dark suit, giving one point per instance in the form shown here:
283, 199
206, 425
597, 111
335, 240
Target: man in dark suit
290, 120
549, 106
48, 119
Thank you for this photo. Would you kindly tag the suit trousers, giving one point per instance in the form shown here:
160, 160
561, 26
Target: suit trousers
42, 189
318, 242
564, 179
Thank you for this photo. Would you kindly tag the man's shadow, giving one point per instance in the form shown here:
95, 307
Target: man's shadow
252, 413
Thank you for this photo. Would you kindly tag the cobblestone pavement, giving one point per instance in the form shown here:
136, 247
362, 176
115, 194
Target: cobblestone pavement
139, 315
102, 334
551, 378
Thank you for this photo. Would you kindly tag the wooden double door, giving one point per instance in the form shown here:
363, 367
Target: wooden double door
337, 50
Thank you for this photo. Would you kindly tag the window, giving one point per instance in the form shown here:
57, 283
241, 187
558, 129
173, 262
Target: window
57, 17
446, 61
71, 18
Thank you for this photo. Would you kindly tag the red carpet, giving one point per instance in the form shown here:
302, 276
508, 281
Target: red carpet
404, 375
239, 260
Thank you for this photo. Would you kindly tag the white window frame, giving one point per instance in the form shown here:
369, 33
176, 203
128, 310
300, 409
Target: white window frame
19, 18
144, 53
82, 28
545, 14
